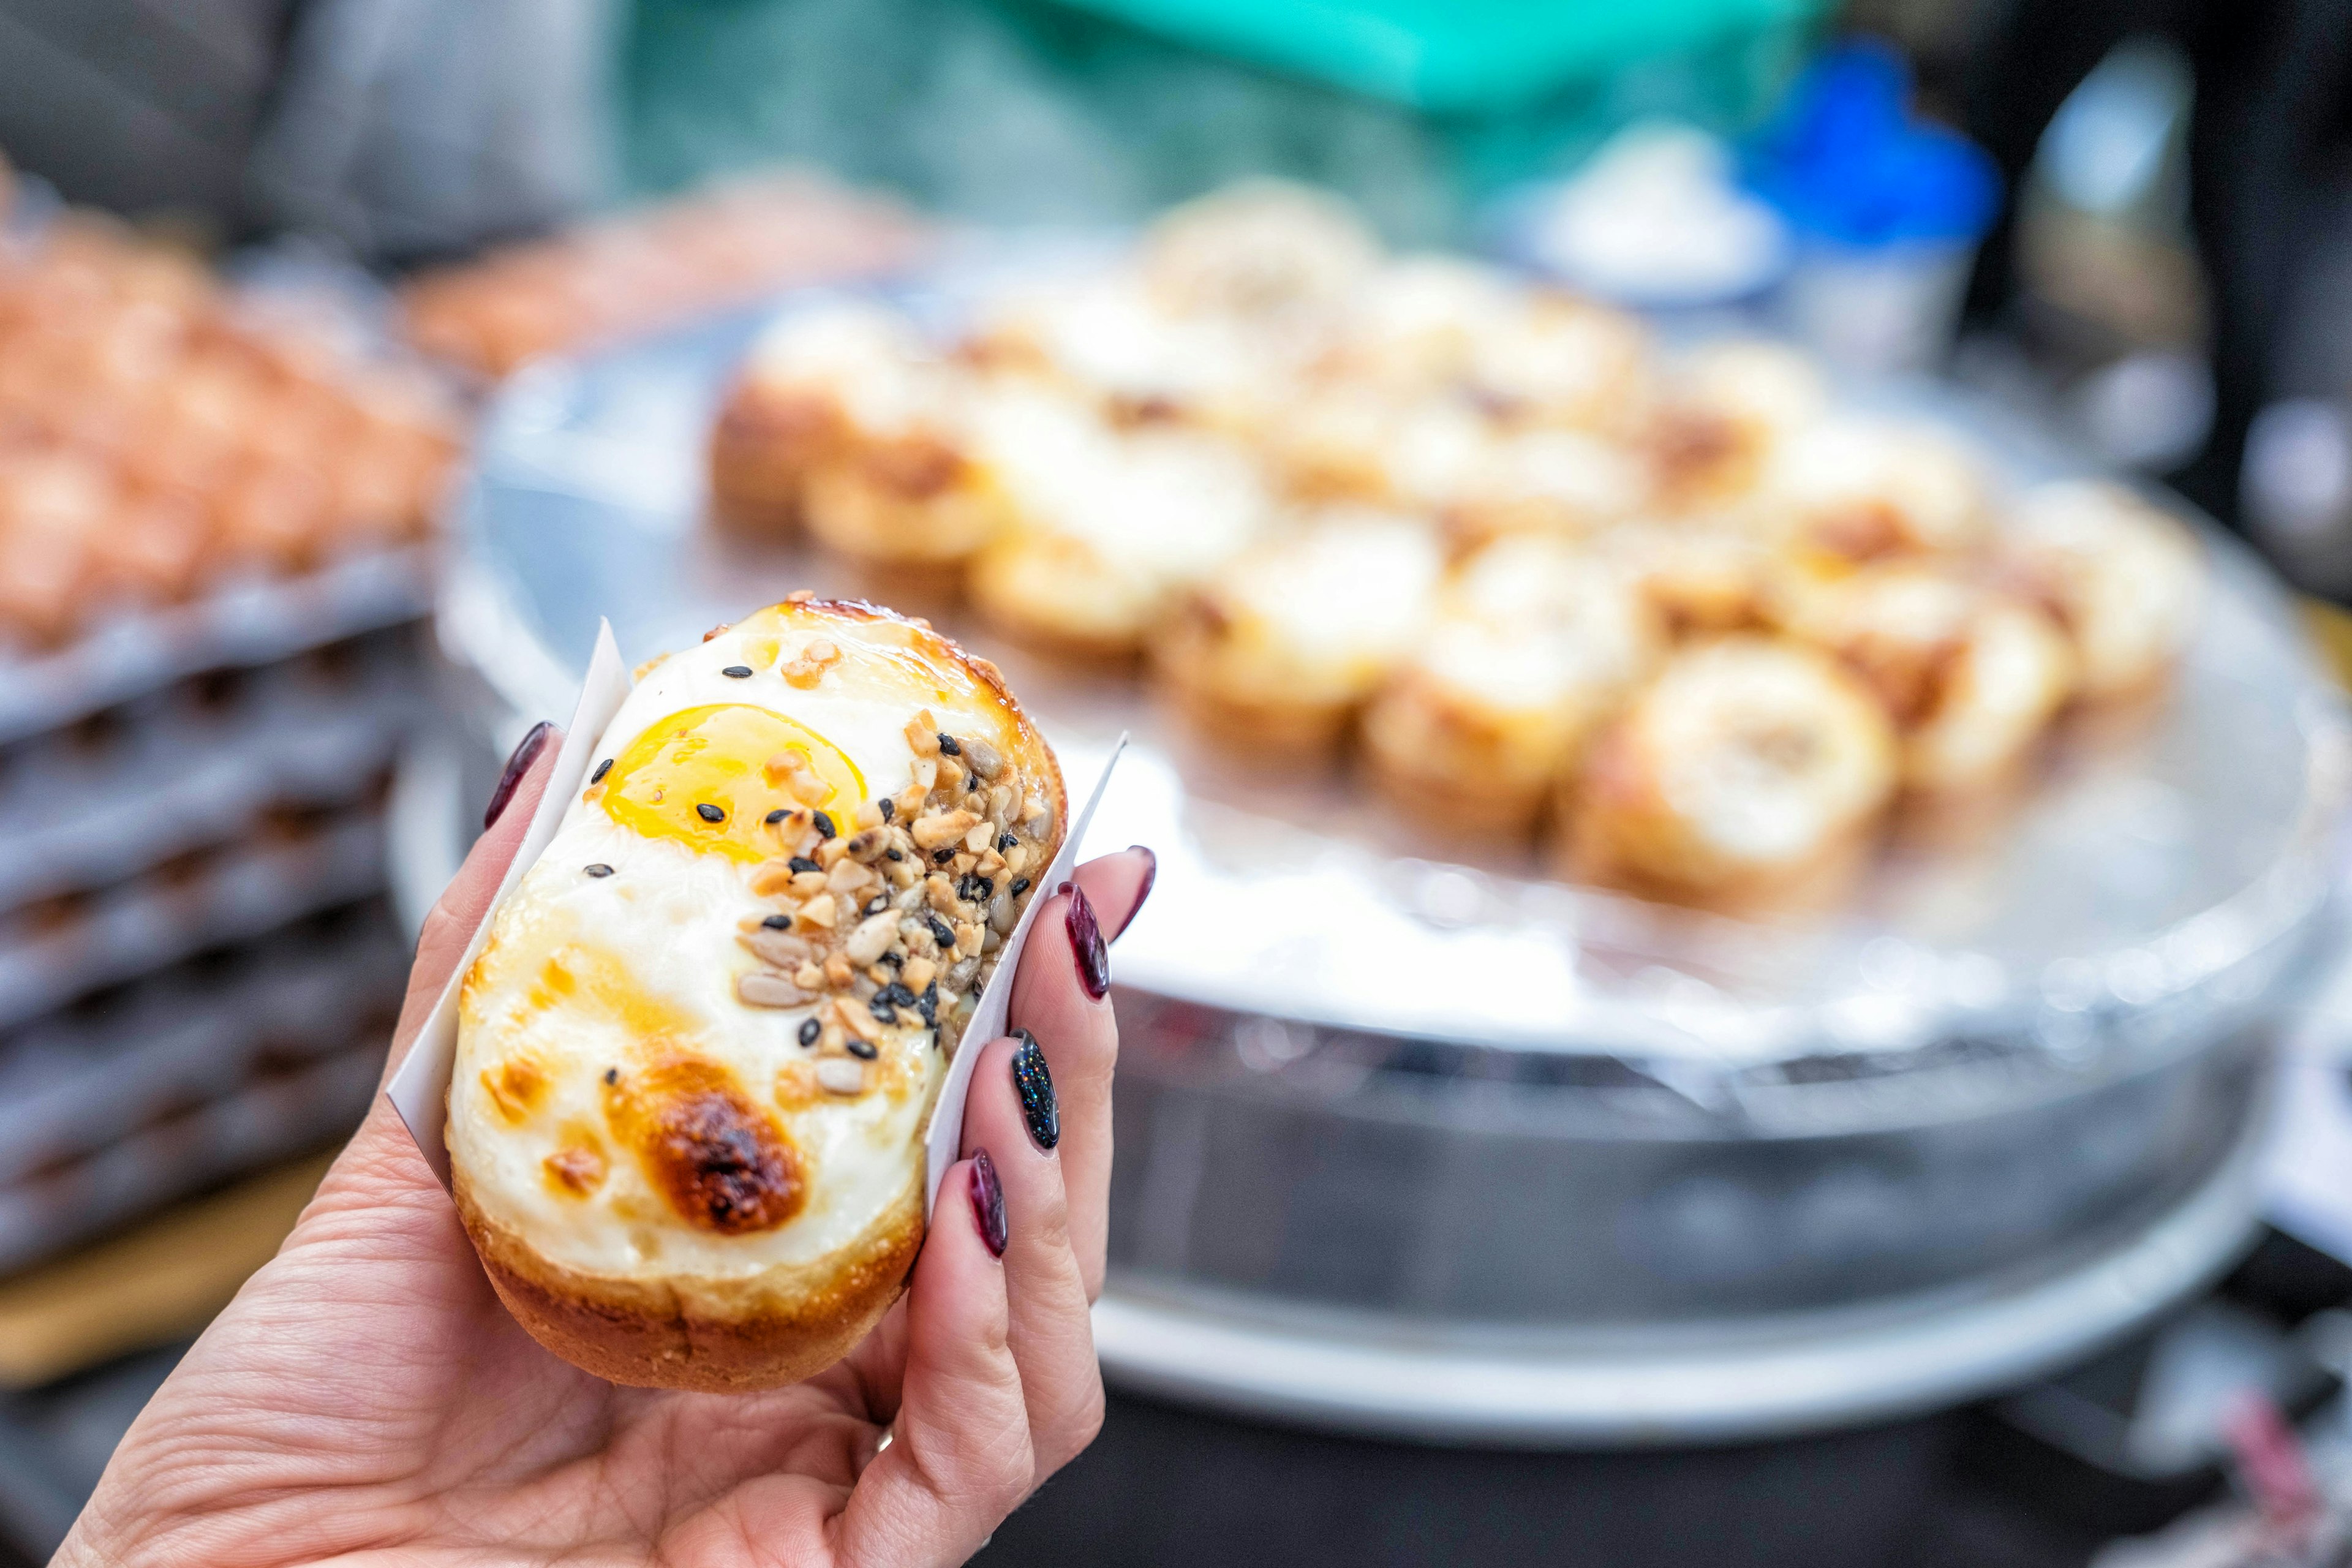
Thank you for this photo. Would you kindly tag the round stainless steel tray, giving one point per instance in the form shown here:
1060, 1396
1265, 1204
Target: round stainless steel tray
1467, 1152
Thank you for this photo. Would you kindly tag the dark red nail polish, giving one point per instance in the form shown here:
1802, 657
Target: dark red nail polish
988, 1203
1086, 942
525, 753
1151, 875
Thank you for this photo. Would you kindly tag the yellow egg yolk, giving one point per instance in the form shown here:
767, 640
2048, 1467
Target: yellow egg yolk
708, 778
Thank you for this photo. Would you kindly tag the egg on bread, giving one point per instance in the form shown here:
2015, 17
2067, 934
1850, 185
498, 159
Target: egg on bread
697, 1053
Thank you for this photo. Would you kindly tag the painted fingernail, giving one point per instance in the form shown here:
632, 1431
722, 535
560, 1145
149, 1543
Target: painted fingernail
525, 753
1034, 1081
1151, 875
1086, 941
988, 1203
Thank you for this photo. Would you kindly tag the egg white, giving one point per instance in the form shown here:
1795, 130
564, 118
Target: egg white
663, 928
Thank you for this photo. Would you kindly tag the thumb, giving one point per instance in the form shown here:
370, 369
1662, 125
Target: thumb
959, 1459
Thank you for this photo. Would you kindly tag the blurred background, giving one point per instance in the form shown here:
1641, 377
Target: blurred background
335, 336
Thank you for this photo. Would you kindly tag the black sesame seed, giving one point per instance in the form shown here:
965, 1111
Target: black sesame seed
863, 1051
600, 869
972, 781
777, 922
883, 1012
802, 863
709, 813
942, 856
947, 744
776, 815
602, 769
889, 807
1020, 886
824, 828
941, 933
893, 960
876, 905
928, 1003
1006, 841
809, 1031
892, 855
975, 888
612, 1075
737, 672
895, 995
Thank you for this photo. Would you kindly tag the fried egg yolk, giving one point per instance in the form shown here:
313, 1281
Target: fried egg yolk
709, 777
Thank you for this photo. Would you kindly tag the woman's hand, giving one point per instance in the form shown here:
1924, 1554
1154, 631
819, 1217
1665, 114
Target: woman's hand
366, 1399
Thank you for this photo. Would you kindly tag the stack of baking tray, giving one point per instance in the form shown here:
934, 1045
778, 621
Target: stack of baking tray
197, 968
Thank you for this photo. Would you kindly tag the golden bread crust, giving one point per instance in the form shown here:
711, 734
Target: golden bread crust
716, 1336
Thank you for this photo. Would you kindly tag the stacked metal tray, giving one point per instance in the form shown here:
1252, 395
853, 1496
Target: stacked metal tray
1422, 1141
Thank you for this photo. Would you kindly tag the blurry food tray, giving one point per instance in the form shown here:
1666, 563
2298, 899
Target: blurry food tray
2150, 865
1421, 1140
252, 622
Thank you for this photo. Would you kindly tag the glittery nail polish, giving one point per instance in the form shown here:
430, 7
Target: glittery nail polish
1086, 942
1033, 1082
526, 752
988, 1204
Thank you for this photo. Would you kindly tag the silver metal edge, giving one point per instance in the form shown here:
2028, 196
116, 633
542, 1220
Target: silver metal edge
1806, 1372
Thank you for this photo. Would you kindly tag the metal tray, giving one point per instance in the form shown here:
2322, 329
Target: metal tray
1654, 1174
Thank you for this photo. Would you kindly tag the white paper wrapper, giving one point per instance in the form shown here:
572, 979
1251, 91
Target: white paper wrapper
420, 1090
943, 1144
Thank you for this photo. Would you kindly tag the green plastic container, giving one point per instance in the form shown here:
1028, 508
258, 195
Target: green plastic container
1451, 55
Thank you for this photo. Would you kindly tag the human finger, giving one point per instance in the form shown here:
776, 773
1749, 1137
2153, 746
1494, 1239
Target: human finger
959, 1457
1012, 1110
1061, 996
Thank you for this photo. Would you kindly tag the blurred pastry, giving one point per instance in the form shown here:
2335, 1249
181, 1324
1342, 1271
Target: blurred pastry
1969, 676
1565, 483
1567, 361
1536, 643
1338, 442
1104, 337
1856, 490
1255, 248
1728, 409
1749, 771
814, 380
2126, 580
1108, 529
1277, 650
1703, 576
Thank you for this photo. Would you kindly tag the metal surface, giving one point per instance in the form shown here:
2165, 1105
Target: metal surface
1670, 1175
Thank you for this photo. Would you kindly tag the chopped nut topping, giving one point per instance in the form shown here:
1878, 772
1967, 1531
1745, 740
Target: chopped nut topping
841, 1075
808, 667
943, 828
818, 910
761, 989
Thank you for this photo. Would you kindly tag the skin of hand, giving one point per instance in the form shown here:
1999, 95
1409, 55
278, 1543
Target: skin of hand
366, 1400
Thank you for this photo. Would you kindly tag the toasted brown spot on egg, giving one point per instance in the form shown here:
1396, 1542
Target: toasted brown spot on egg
515, 1087
578, 1170
723, 1165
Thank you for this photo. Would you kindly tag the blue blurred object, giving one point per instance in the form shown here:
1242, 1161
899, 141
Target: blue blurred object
1845, 162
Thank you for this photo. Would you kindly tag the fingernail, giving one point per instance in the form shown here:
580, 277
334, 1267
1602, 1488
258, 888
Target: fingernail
1034, 1081
525, 753
1086, 941
1151, 875
988, 1204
